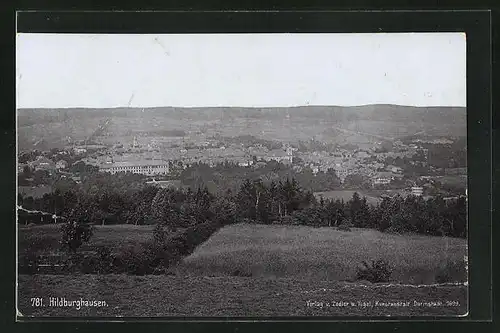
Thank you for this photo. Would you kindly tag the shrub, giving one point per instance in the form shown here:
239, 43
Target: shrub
139, 259
88, 264
241, 273
288, 220
30, 248
36, 243
377, 271
28, 263
74, 234
104, 260
452, 271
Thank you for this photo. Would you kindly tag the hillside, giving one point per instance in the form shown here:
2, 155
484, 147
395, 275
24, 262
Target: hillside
319, 254
359, 124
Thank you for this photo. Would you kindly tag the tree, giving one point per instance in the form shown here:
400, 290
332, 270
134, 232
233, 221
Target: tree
354, 209
224, 211
78, 229
246, 199
356, 181
27, 172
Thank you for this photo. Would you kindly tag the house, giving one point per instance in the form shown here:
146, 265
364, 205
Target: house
341, 172
279, 155
61, 164
43, 163
79, 150
260, 165
244, 163
394, 169
77, 179
383, 178
417, 191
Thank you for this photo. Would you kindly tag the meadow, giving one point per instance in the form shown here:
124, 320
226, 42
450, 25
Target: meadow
322, 254
113, 236
346, 195
35, 191
259, 270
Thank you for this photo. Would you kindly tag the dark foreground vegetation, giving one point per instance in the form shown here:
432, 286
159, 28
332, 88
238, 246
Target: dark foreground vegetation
184, 219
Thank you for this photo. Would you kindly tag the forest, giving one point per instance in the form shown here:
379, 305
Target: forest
256, 201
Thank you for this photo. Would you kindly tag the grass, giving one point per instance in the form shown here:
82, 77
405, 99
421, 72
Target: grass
35, 191
114, 236
454, 180
156, 296
346, 195
322, 254
259, 270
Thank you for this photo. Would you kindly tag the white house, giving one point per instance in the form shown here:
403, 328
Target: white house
61, 164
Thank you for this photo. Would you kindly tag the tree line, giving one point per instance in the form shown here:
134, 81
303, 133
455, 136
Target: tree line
256, 201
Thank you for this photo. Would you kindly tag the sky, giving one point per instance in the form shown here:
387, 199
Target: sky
250, 70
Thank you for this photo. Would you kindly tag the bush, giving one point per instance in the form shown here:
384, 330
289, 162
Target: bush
241, 273
288, 220
140, 259
28, 263
30, 248
452, 271
74, 234
377, 271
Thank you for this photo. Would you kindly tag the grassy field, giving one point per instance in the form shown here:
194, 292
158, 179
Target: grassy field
321, 254
346, 195
454, 180
34, 191
113, 236
161, 296
259, 270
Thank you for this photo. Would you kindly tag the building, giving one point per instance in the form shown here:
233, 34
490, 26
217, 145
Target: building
79, 150
244, 163
394, 169
279, 155
43, 163
315, 169
381, 181
416, 190
341, 172
382, 178
149, 168
61, 164
77, 179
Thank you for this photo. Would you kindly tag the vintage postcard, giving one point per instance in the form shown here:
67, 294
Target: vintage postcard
241, 175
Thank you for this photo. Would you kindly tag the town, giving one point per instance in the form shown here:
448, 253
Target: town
412, 166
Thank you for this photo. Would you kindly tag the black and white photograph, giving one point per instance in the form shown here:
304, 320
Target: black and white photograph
241, 175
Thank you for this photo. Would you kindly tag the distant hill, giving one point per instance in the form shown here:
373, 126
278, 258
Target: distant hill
355, 124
